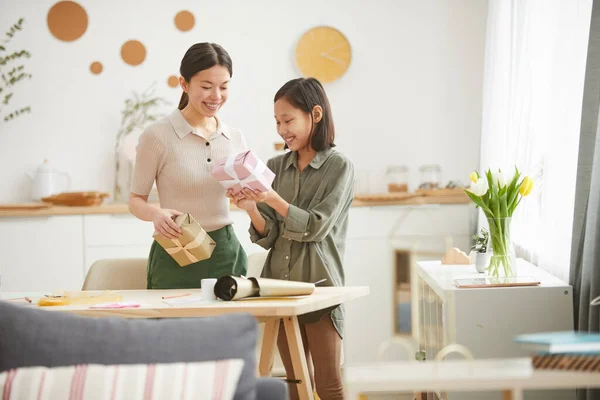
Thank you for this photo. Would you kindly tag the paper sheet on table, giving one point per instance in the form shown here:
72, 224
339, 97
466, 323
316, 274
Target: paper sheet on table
120, 304
274, 298
184, 300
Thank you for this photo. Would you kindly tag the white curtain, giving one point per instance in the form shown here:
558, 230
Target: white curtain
532, 97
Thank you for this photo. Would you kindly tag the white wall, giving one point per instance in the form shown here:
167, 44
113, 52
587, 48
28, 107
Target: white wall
412, 94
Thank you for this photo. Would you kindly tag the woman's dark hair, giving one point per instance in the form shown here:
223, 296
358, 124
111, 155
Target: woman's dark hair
305, 94
199, 57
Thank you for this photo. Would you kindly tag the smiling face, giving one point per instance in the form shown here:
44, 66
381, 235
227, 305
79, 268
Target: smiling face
207, 90
294, 125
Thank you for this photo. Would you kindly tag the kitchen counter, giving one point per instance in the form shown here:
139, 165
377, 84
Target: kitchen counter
122, 208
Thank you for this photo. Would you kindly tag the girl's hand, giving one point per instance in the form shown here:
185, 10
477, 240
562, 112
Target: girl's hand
241, 201
263, 197
164, 223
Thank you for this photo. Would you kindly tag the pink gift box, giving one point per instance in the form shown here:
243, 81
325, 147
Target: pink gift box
243, 170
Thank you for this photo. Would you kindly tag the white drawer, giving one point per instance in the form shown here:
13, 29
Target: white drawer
359, 225
42, 253
116, 230
424, 220
431, 247
410, 221
241, 223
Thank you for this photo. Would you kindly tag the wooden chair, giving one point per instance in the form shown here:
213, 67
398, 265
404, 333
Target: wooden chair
117, 274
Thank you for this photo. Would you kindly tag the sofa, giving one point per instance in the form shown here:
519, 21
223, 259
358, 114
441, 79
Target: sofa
49, 338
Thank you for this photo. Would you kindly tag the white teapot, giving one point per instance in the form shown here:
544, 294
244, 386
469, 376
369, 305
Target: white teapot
48, 181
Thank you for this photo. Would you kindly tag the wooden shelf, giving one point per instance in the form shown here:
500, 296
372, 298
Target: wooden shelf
28, 209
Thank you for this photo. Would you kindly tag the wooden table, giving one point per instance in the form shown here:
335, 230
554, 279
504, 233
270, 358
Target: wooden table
511, 376
270, 311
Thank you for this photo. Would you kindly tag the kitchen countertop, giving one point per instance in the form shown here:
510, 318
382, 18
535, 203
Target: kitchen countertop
122, 208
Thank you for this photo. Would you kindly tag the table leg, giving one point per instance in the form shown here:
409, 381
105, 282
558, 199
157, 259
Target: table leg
514, 394
294, 339
268, 346
517, 394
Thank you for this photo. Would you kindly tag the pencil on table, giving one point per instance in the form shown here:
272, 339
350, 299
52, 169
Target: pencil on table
176, 295
27, 299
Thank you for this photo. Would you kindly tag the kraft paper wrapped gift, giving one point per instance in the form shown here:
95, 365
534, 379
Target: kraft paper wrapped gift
243, 170
192, 246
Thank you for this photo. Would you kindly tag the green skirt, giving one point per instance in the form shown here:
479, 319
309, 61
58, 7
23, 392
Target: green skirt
228, 258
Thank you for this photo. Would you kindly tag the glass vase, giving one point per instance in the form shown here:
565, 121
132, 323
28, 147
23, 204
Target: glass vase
500, 250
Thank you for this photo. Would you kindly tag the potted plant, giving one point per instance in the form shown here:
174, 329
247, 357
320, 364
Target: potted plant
479, 254
11, 75
140, 110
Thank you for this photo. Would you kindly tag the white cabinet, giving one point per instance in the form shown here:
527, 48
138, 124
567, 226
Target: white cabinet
41, 253
369, 320
115, 236
241, 223
376, 235
486, 320
55, 252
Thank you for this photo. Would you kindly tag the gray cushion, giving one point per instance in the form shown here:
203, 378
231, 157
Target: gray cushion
271, 389
30, 337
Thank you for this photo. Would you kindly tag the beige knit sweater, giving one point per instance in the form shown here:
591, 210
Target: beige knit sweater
180, 160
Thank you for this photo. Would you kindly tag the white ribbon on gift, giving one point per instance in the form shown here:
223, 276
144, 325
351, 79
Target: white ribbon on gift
256, 175
191, 245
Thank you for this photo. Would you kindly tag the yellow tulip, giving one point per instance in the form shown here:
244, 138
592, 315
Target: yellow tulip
526, 186
474, 177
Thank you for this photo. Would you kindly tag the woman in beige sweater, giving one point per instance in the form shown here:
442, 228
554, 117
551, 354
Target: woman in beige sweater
178, 152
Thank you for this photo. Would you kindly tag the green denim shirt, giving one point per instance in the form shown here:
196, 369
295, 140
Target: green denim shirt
309, 244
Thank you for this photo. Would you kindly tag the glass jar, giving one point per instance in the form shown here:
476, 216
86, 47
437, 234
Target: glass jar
430, 176
397, 179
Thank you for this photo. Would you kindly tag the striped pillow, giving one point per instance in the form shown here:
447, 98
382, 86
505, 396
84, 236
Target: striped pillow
201, 380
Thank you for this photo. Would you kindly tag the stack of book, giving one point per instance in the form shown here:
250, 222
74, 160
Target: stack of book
579, 351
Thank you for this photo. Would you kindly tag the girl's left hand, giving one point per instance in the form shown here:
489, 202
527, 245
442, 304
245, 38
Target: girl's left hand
263, 197
241, 201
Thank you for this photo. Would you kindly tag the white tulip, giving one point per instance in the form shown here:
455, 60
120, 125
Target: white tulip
498, 179
480, 187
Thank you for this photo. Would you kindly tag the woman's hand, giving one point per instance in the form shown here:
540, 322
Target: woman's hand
272, 198
241, 201
164, 223
259, 197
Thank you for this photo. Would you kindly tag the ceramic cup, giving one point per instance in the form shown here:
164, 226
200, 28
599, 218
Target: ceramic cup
208, 289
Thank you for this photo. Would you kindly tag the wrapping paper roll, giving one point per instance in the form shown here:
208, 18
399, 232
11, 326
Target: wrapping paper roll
236, 288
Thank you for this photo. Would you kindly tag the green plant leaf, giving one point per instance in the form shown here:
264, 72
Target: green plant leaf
502, 191
478, 202
16, 74
503, 206
16, 113
490, 180
7, 98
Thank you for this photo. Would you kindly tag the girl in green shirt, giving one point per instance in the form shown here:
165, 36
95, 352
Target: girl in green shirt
303, 222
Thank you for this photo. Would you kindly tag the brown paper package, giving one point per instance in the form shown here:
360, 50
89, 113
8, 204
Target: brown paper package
192, 246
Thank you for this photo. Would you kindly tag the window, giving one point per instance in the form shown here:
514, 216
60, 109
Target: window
532, 96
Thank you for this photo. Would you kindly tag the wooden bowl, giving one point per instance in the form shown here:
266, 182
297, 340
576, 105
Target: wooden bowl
77, 199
